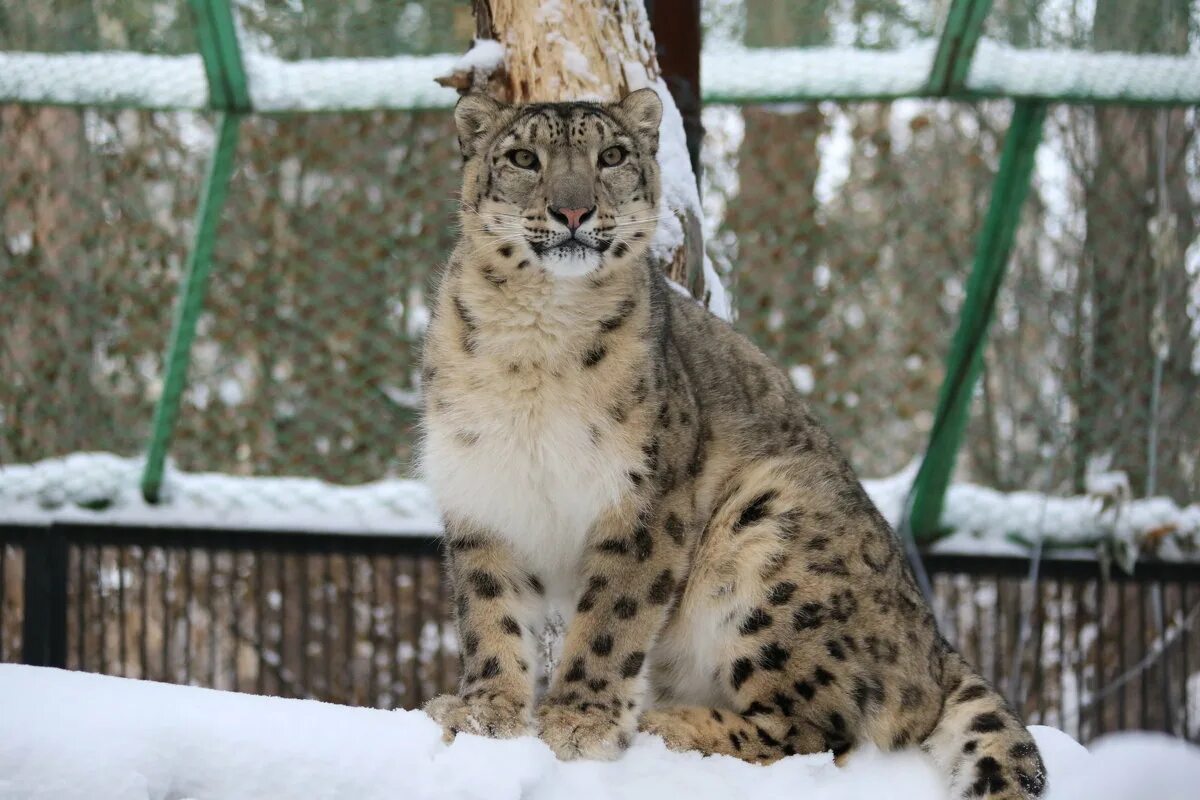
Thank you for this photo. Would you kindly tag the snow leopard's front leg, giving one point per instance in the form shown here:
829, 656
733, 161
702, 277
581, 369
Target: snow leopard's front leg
632, 566
495, 602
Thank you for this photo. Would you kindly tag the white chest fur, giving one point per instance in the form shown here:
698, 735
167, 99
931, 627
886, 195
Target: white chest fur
529, 464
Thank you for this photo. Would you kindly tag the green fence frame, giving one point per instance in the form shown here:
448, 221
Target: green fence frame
227, 87
956, 46
229, 96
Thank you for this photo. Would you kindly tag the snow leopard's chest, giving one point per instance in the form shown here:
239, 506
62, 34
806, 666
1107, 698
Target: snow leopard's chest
534, 468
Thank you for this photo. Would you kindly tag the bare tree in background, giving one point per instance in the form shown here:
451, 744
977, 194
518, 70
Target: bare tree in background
1123, 193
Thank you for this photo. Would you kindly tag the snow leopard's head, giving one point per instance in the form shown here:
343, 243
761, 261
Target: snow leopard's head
576, 184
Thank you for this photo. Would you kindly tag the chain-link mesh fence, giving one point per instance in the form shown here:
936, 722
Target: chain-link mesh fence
845, 229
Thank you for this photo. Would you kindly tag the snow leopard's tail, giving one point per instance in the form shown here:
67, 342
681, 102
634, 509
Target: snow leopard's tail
982, 745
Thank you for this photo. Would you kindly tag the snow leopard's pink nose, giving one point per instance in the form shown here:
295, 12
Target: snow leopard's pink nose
572, 217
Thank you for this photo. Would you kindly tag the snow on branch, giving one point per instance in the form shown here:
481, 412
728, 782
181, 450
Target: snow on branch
476, 67
76, 736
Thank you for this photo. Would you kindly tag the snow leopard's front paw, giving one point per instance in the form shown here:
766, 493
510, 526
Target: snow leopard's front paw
583, 730
680, 732
493, 714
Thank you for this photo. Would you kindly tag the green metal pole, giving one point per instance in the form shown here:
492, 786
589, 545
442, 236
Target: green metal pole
956, 47
966, 353
191, 302
227, 89
216, 36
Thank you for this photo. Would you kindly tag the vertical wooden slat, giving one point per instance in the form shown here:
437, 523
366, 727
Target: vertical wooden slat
1101, 682
443, 620
81, 659
1079, 671
168, 673
121, 612
187, 615
370, 599
1122, 705
303, 627
327, 589
1061, 602
235, 619
1184, 587
417, 620
349, 632
101, 608
281, 669
1146, 635
143, 627
394, 653
215, 629
260, 626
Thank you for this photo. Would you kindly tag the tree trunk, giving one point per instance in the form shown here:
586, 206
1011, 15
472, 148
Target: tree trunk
1121, 198
775, 216
597, 50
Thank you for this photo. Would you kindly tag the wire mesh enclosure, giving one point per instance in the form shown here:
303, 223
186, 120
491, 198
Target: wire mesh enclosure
967, 230
846, 229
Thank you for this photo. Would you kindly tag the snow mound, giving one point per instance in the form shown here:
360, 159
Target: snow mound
104, 488
75, 736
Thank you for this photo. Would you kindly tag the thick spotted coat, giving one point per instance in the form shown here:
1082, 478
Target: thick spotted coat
609, 455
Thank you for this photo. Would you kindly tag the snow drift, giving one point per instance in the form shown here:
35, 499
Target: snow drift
69, 735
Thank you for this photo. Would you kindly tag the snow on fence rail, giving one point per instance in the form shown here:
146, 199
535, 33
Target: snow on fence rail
70, 735
729, 75
101, 487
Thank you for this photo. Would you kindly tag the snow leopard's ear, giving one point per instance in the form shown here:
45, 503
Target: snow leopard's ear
476, 116
642, 112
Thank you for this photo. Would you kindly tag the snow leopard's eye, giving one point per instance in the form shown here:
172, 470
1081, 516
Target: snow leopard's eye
613, 156
525, 159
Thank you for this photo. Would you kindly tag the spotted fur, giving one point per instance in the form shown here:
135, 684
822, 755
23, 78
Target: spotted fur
609, 454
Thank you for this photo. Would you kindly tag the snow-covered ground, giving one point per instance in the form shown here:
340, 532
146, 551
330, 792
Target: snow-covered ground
76, 736
101, 487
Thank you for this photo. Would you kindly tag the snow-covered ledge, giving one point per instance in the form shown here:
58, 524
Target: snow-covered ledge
104, 488
69, 735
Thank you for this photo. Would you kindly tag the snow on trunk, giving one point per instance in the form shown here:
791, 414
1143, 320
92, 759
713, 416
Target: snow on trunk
75, 736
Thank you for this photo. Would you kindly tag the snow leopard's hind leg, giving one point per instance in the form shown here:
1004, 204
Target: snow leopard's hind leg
824, 640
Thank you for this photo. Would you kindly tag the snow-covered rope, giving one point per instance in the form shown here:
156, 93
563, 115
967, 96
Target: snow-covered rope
731, 75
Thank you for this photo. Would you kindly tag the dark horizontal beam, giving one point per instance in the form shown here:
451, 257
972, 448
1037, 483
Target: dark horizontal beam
1061, 567
245, 540
1069, 566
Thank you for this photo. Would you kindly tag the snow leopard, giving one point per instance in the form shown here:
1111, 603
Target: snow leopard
609, 454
